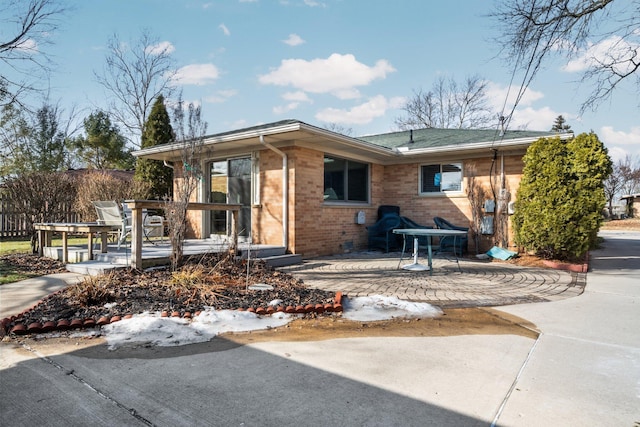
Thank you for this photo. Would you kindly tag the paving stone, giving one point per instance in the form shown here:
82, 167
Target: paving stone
480, 283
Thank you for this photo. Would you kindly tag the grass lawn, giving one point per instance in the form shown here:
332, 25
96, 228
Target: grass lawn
10, 273
23, 246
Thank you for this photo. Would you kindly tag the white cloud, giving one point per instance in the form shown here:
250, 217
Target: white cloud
299, 96
496, 94
313, 3
618, 137
220, 96
294, 98
612, 50
526, 115
160, 48
620, 143
535, 118
197, 74
224, 29
286, 108
338, 74
294, 40
617, 153
28, 46
360, 114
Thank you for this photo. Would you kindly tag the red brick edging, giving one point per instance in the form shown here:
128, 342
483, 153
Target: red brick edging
66, 324
575, 268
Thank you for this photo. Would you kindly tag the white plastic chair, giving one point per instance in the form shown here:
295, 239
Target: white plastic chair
119, 217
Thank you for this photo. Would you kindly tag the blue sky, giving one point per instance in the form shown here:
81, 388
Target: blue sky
348, 62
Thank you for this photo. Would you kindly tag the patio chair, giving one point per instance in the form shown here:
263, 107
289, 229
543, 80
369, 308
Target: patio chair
380, 234
457, 245
409, 223
109, 213
152, 225
119, 217
387, 209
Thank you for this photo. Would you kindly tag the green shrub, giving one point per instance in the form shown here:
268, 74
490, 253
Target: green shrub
561, 196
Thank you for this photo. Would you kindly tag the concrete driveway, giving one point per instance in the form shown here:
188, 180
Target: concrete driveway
583, 370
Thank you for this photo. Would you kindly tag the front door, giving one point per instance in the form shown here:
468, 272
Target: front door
230, 182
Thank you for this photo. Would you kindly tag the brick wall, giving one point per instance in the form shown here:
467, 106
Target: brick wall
317, 229
194, 218
266, 218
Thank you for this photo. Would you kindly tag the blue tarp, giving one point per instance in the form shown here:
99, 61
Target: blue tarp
500, 253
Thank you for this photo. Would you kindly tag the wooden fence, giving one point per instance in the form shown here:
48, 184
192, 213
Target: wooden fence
13, 223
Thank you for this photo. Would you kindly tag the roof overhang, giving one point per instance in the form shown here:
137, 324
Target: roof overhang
289, 134
630, 196
296, 133
475, 148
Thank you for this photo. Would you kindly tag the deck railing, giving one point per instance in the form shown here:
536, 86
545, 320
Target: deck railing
137, 206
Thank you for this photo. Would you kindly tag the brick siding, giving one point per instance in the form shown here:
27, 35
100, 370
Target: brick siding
317, 228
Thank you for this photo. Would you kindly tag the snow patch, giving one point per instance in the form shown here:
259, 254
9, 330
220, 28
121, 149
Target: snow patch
150, 329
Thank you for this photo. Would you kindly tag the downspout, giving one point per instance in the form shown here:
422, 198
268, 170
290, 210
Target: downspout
285, 191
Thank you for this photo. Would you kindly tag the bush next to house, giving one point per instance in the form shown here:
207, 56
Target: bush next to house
101, 185
561, 196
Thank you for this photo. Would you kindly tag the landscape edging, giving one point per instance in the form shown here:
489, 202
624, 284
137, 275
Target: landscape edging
77, 323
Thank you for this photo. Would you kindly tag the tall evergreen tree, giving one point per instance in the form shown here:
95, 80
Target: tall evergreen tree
157, 130
560, 125
103, 147
47, 152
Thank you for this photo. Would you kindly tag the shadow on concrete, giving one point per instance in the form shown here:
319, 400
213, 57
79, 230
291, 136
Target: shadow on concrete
626, 247
219, 383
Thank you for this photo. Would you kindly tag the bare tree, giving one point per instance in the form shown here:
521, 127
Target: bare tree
625, 179
136, 74
448, 105
477, 194
613, 187
337, 128
26, 27
630, 173
190, 132
41, 197
599, 35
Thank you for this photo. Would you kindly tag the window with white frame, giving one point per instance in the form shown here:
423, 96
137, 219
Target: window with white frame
345, 180
440, 178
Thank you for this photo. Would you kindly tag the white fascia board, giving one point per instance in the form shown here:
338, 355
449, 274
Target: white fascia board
219, 139
519, 142
278, 130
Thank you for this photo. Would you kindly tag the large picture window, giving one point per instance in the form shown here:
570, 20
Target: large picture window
440, 178
345, 180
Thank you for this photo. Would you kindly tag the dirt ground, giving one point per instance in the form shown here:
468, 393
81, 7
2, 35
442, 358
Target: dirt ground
462, 321
622, 224
454, 322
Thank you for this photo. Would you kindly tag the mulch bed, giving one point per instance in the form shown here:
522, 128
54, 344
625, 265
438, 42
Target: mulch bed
214, 280
32, 265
